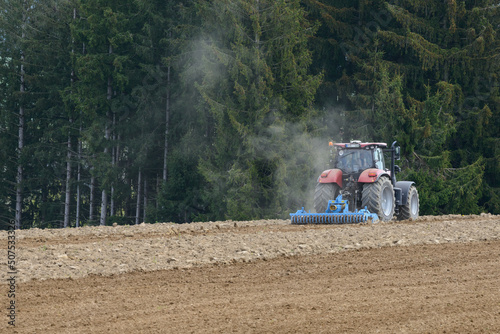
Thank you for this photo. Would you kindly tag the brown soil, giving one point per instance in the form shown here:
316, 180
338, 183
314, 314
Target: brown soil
436, 275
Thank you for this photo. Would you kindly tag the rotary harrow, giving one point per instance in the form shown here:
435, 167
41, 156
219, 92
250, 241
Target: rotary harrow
337, 212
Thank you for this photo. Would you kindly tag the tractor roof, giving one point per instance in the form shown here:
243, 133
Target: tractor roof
357, 144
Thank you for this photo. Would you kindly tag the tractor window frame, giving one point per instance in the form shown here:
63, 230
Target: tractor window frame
354, 160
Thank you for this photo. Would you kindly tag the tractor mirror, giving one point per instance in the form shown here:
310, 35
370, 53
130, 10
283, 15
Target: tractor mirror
397, 153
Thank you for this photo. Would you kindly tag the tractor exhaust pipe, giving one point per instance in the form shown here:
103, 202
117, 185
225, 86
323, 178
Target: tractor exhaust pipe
393, 163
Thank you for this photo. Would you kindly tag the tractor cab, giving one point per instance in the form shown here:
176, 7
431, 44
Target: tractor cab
353, 160
356, 160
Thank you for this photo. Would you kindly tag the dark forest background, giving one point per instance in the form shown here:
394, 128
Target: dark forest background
132, 110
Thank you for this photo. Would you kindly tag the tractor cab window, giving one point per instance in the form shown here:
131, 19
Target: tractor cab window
379, 159
351, 161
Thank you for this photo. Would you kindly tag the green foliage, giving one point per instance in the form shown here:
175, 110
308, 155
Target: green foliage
424, 74
255, 81
445, 190
179, 200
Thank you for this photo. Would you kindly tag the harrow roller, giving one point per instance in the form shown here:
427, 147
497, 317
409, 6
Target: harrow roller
337, 212
327, 218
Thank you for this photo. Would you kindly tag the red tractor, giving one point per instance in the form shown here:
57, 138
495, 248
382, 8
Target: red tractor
359, 174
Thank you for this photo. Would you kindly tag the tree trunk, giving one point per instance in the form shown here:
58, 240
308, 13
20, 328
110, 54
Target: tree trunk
91, 199
104, 206
138, 207
20, 145
113, 163
20, 142
167, 125
104, 197
78, 178
68, 184
68, 162
145, 204
112, 202
157, 190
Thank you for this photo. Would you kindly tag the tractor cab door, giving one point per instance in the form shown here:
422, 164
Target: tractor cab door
378, 157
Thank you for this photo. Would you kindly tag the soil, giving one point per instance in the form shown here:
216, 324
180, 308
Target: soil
435, 274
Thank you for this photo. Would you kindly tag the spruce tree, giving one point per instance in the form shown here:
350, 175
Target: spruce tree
422, 73
103, 73
259, 92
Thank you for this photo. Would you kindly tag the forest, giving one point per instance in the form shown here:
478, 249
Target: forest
131, 111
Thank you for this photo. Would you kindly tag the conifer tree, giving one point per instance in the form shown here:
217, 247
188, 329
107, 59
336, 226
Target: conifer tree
411, 71
256, 84
43, 121
103, 76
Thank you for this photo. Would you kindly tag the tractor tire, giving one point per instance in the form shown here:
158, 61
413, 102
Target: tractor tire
378, 197
411, 208
324, 192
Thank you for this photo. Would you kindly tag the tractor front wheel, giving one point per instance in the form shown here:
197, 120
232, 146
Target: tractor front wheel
378, 197
324, 192
411, 208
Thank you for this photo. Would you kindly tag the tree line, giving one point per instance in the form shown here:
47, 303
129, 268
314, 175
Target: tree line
128, 111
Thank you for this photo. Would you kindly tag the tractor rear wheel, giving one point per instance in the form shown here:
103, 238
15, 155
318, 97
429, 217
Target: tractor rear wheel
378, 197
324, 192
411, 208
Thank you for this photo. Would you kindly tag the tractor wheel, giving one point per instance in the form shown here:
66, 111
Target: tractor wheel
411, 208
324, 192
378, 197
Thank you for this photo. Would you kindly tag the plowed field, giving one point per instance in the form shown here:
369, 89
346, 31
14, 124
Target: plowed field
435, 275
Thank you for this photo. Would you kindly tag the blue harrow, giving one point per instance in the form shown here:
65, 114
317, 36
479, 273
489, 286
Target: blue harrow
337, 212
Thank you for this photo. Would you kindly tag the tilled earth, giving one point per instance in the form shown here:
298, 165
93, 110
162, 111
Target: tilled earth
436, 274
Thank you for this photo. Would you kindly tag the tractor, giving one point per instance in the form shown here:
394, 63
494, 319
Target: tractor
359, 175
